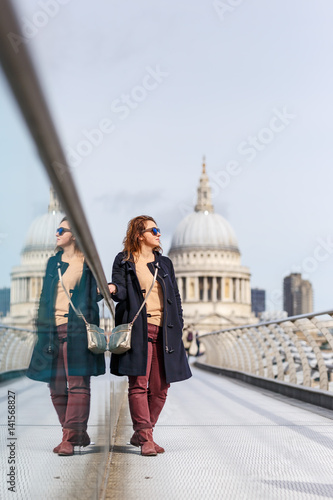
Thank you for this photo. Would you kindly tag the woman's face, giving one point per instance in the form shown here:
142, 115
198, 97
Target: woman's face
151, 235
65, 239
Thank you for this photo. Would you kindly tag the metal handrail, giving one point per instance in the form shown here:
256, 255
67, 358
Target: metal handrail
276, 349
7, 327
272, 322
24, 82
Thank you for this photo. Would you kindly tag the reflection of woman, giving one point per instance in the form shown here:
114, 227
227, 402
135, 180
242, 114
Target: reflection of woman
61, 356
157, 356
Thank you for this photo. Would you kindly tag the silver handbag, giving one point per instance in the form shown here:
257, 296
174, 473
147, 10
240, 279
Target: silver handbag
96, 339
95, 335
120, 338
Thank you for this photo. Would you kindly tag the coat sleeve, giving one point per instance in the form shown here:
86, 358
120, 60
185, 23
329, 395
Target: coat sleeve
42, 317
177, 294
119, 279
91, 298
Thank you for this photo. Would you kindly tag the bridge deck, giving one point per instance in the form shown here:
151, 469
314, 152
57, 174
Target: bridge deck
223, 440
39, 473
226, 440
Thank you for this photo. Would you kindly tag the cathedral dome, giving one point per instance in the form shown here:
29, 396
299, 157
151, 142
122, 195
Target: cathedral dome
27, 278
203, 229
41, 234
213, 284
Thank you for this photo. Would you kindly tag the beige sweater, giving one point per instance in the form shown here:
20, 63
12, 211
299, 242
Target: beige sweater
71, 277
154, 303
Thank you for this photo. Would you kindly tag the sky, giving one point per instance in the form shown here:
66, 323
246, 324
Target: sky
140, 91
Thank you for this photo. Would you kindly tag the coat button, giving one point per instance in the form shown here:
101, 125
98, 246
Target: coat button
169, 301
170, 326
165, 275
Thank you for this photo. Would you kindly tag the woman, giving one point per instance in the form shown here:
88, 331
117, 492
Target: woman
157, 356
61, 356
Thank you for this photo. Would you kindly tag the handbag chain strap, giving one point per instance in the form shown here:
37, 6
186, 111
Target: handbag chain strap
77, 311
146, 297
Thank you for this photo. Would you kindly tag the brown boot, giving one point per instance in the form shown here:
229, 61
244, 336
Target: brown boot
66, 447
57, 448
80, 438
147, 443
135, 439
135, 442
158, 448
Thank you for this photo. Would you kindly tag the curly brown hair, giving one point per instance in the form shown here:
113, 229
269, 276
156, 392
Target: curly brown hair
131, 241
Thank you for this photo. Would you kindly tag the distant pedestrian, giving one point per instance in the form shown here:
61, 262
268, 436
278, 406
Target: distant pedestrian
197, 341
157, 355
188, 339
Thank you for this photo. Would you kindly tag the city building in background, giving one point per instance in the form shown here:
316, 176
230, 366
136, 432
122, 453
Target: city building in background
27, 278
4, 301
214, 286
258, 301
297, 295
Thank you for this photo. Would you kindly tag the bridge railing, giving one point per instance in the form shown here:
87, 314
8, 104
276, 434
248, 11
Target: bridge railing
16, 346
297, 349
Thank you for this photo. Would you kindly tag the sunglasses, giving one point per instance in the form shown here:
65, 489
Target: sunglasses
153, 230
62, 230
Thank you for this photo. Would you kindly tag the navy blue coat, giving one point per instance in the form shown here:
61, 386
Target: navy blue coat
81, 361
129, 297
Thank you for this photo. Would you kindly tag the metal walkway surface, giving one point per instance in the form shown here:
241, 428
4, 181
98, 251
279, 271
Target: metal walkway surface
223, 440
38, 473
227, 440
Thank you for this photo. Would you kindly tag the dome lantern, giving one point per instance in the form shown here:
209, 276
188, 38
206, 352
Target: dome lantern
204, 201
54, 205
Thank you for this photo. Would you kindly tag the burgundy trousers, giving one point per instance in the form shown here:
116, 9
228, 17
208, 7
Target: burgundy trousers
70, 394
147, 393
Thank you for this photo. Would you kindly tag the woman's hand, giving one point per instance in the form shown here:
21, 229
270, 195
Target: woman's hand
112, 288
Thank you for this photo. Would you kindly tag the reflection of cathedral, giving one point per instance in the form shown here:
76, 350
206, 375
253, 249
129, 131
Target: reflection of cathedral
27, 278
214, 286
